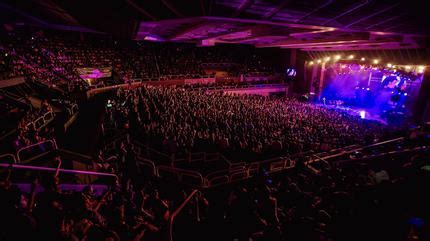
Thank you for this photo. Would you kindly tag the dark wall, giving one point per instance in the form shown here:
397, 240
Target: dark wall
301, 83
421, 110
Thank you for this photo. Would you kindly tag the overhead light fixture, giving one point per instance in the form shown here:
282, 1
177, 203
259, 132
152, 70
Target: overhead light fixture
319, 61
375, 61
337, 57
362, 59
407, 67
351, 56
327, 59
311, 63
389, 65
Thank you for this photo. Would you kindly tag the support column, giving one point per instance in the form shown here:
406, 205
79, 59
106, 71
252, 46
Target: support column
321, 80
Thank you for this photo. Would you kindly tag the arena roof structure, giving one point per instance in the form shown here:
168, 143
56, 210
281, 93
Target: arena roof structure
311, 25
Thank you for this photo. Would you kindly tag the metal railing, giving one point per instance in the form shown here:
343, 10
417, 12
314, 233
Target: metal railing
177, 211
342, 152
195, 178
42, 121
165, 166
146, 162
7, 158
56, 170
52, 143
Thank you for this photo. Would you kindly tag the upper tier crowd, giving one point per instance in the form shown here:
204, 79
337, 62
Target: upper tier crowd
177, 120
52, 58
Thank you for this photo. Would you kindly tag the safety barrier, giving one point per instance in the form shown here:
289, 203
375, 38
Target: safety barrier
36, 149
150, 153
342, 152
7, 158
42, 121
177, 174
177, 211
145, 162
56, 170
162, 165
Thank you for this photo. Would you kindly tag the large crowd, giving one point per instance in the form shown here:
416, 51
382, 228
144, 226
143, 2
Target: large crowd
176, 119
53, 58
359, 201
356, 201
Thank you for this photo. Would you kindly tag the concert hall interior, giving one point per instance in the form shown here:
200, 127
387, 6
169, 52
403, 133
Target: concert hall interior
218, 120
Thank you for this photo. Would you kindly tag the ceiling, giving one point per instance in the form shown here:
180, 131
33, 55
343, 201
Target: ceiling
311, 25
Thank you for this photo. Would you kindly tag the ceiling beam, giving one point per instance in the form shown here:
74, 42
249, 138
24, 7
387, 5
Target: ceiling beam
141, 10
172, 8
316, 44
371, 15
385, 21
298, 34
347, 12
202, 7
394, 27
23, 14
54, 9
248, 34
276, 9
356, 46
314, 11
266, 22
188, 29
244, 5
357, 37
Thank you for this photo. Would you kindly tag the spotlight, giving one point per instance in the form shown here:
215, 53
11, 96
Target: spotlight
393, 66
327, 59
405, 94
319, 61
351, 56
337, 57
375, 61
421, 67
367, 89
362, 59
389, 65
311, 63
407, 67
